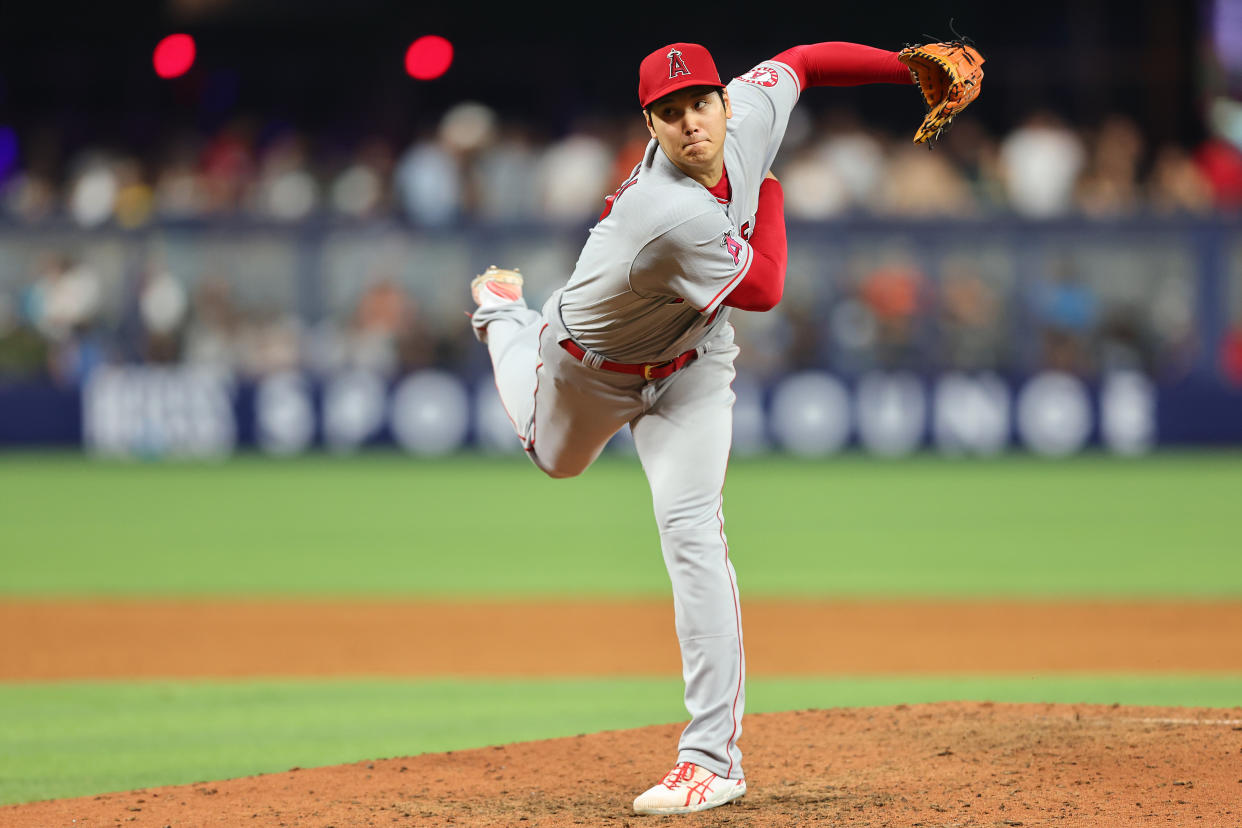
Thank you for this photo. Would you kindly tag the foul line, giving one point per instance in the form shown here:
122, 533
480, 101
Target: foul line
1231, 722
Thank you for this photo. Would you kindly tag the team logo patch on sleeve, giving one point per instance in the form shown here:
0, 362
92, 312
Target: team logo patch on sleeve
761, 75
733, 246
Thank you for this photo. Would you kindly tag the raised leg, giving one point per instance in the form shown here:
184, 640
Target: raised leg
563, 412
513, 344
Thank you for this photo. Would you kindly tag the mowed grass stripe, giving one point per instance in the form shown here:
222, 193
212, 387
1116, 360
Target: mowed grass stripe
473, 526
75, 739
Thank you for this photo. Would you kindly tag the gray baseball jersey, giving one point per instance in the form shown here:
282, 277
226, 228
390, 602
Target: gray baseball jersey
653, 274
648, 286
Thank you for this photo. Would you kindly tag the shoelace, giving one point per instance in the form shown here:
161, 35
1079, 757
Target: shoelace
682, 773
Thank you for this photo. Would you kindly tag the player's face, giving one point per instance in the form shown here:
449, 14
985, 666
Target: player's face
690, 126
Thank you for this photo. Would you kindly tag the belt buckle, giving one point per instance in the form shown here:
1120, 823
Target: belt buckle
649, 366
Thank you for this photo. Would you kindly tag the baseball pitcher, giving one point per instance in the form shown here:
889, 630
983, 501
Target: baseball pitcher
640, 334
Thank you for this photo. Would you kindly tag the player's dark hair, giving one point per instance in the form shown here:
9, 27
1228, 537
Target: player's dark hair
719, 93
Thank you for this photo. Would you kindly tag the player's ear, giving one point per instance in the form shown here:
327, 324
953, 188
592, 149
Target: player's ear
647, 118
724, 94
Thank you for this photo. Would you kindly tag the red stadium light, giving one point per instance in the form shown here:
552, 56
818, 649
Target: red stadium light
174, 55
429, 57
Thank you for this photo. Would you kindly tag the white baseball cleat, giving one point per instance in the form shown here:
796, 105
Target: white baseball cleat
496, 286
689, 788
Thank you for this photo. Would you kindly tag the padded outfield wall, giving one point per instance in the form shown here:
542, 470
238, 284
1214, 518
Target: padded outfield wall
150, 412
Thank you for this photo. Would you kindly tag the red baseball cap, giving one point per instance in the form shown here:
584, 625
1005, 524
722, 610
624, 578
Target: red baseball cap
674, 67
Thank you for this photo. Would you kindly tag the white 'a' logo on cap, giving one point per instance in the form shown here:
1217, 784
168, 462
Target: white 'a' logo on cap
676, 66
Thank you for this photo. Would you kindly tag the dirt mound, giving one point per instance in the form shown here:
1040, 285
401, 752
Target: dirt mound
947, 764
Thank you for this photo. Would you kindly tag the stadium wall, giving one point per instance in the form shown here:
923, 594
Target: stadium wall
153, 412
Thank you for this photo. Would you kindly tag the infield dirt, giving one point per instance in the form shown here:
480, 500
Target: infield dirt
238, 638
949, 764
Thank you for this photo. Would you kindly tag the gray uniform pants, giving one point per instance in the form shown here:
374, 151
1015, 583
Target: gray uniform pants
565, 412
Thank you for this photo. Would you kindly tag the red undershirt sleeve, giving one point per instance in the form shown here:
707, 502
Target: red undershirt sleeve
765, 281
817, 64
844, 64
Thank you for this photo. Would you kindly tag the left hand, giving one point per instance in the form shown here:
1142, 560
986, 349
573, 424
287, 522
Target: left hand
950, 76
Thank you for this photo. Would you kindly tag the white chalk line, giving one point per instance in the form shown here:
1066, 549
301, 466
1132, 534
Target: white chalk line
1132, 720
1090, 719
1230, 722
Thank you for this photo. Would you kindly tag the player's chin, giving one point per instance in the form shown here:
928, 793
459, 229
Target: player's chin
698, 153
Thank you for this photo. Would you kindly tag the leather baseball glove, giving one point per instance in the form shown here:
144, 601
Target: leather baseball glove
949, 75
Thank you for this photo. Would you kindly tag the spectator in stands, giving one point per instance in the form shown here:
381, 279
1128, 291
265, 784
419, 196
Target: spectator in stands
28, 197
1066, 309
1124, 341
214, 327
361, 189
269, 342
810, 343
843, 171
851, 330
92, 189
860, 159
1221, 164
163, 306
227, 169
381, 318
574, 175
135, 201
972, 334
1040, 162
925, 184
32, 191
285, 189
767, 338
892, 294
63, 304
1177, 184
1109, 185
181, 189
975, 153
1171, 319
64, 297
428, 184
813, 189
630, 152
466, 131
505, 177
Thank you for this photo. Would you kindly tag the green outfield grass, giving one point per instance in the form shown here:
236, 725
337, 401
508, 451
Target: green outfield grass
1096, 526
73, 739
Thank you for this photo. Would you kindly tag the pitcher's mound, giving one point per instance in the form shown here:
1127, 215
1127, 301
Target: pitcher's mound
948, 764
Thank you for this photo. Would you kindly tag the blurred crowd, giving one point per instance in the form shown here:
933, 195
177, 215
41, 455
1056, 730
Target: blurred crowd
59, 327
58, 320
474, 166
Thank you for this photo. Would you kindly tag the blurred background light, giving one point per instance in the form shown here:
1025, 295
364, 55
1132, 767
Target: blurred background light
428, 57
8, 151
174, 55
